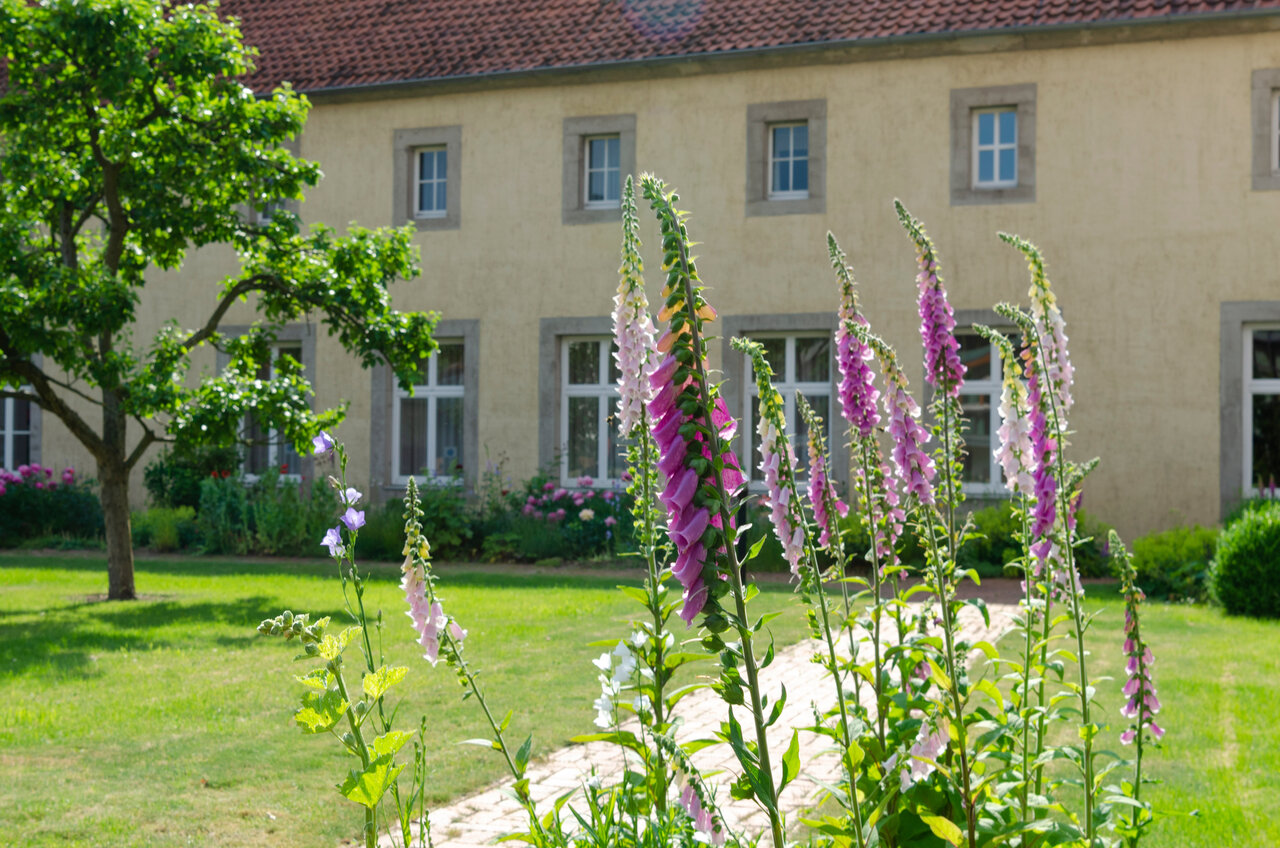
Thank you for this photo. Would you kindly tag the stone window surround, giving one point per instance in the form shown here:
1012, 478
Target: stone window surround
736, 377
404, 188
1265, 87
382, 408
573, 203
550, 333
304, 334
963, 102
759, 117
1234, 316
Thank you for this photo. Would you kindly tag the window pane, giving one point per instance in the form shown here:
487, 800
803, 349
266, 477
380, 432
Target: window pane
617, 452
21, 450
1266, 355
448, 458
986, 128
1008, 165
822, 405
800, 175
611, 189
413, 436
256, 454
813, 360
442, 164
584, 436
977, 438
441, 203
449, 364
800, 141
596, 153
584, 363
615, 373
975, 353
986, 166
1008, 127
426, 197
781, 176
775, 350
1266, 440
21, 415
612, 147
287, 459
426, 165
595, 186
781, 142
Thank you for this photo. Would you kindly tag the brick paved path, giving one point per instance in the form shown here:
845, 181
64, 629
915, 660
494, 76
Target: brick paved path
480, 818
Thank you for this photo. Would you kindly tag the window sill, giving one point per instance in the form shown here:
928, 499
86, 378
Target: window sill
800, 204
431, 216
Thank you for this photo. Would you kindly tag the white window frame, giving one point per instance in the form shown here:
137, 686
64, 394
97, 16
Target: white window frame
435, 181
606, 394
1253, 386
587, 171
996, 147
432, 392
7, 417
786, 385
993, 388
790, 160
274, 443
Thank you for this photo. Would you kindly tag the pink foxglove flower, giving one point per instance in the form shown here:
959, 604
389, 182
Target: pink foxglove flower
703, 822
858, 393
942, 366
633, 330
1043, 451
821, 491
912, 466
776, 458
1015, 452
1139, 688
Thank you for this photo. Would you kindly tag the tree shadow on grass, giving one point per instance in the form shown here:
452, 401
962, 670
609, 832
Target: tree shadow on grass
470, 575
67, 640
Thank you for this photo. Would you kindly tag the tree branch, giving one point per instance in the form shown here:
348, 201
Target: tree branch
210, 327
148, 438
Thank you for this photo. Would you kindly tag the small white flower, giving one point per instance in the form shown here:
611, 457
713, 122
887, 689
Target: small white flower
602, 662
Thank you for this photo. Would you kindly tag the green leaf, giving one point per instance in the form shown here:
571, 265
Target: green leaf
377, 684
320, 710
367, 787
943, 828
755, 549
331, 646
317, 679
388, 743
791, 761
522, 754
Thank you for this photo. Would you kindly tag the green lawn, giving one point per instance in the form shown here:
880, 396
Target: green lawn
1219, 680
168, 721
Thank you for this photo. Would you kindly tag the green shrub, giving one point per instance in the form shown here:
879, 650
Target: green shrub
382, 536
1247, 507
223, 517
285, 521
165, 529
174, 478
1175, 564
1245, 577
35, 503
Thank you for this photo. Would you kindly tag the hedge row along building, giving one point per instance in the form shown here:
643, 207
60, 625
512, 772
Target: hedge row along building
1137, 143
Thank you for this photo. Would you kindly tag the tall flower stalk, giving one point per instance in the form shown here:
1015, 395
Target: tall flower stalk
1139, 687
875, 485
692, 428
637, 355
786, 511
1049, 376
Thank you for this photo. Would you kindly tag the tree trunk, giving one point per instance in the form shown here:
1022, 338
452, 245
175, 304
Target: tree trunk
115, 510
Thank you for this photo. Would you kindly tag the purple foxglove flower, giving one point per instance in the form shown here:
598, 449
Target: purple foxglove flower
943, 369
820, 490
858, 393
323, 444
911, 464
333, 539
353, 518
773, 448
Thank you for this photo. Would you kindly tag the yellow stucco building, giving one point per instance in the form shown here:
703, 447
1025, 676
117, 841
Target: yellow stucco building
1138, 150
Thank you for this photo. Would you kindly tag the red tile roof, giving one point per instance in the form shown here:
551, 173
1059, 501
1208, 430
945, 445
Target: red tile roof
327, 44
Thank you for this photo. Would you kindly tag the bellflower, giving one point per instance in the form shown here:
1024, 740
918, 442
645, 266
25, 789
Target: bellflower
353, 518
943, 368
333, 539
351, 496
322, 444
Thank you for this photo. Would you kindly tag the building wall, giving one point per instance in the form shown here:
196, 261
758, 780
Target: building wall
1143, 207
